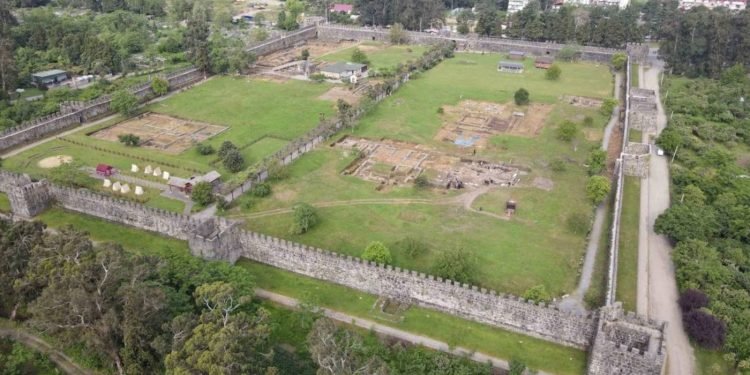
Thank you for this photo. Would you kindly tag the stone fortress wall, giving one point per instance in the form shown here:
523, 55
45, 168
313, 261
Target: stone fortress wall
617, 342
75, 113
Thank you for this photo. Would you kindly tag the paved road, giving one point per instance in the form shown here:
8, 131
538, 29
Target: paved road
37, 344
390, 331
658, 290
574, 302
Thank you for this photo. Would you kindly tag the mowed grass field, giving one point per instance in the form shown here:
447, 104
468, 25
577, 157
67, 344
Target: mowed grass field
534, 247
381, 55
261, 117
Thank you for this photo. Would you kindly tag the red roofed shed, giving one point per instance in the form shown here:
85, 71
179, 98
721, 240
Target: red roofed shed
105, 170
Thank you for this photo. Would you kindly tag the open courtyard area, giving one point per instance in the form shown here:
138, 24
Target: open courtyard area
458, 126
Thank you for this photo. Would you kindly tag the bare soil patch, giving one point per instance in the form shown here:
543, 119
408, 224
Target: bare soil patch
471, 123
343, 93
54, 161
161, 132
391, 162
543, 183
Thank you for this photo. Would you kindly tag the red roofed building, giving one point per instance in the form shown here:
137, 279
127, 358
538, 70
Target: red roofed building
342, 8
105, 170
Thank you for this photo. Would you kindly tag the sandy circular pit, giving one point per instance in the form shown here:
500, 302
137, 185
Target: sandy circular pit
54, 161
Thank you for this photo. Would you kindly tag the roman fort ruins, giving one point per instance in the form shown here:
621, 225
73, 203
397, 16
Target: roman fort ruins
616, 341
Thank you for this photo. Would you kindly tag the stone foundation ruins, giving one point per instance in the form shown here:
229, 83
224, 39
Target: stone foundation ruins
391, 162
618, 343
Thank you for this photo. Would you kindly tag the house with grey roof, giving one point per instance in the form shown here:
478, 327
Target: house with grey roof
49, 77
344, 70
510, 67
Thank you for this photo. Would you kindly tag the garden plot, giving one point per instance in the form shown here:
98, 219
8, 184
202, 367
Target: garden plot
391, 162
161, 132
582, 101
316, 48
471, 123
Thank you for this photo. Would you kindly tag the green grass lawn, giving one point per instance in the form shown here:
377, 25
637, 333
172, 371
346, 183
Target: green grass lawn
627, 269
381, 55
634, 75
594, 297
4, 203
709, 362
535, 247
536, 353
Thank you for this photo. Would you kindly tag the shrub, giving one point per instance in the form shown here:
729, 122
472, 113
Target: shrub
596, 161
124, 102
233, 161
537, 294
692, 299
567, 131
457, 264
568, 53
412, 247
261, 190
707, 330
221, 203
318, 77
305, 54
521, 97
553, 73
225, 147
277, 171
619, 60
440, 110
597, 189
421, 182
70, 174
607, 106
377, 252
516, 367
130, 140
160, 86
588, 121
578, 223
203, 193
558, 165
204, 149
305, 218
359, 57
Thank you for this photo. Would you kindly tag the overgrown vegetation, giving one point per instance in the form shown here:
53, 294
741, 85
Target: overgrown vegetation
708, 220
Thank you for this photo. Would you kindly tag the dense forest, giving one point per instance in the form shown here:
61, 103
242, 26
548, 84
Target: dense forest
709, 138
132, 313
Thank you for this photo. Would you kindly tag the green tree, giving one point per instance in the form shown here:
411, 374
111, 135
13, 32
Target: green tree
456, 264
537, 294
203, 193
340, 351
233, 161
596, 161
227, 338
521, 97
619, 60
225, 148
597, 188
682, 222
71, 175
305, 54
359, 57
567, 131
130, 140
397, 34
463, 19
159, 86
568, 53
125, 102
607, 107
197, 37
305, 218
377, 252
421, 181
16, 243
553, 73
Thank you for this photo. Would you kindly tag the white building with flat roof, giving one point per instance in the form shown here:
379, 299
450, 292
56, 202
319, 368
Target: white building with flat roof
736, 5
